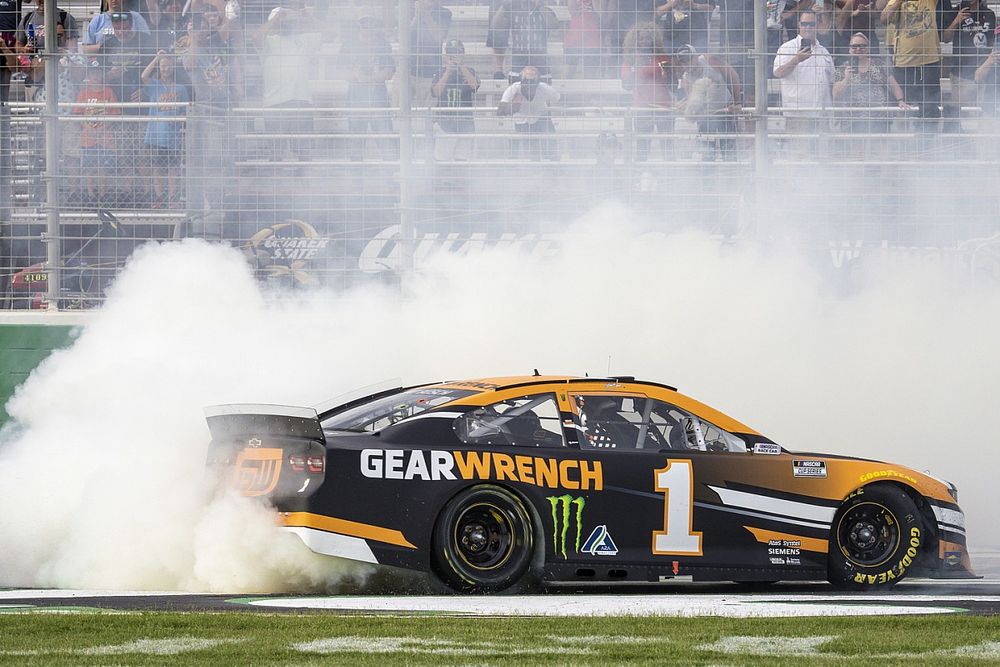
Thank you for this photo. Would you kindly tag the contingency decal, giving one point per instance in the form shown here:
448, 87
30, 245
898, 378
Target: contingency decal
257, 470
808, 468
766, 448
569, 474
600, 543
562, 517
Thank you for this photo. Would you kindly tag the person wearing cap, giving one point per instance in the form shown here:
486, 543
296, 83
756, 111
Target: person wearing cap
102, 26
973, 42
454, 85
528, 100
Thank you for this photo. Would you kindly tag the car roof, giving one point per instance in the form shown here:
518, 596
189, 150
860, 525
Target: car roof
491, 389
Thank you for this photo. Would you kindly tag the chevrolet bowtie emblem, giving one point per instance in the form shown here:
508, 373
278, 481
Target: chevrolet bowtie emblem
254, 442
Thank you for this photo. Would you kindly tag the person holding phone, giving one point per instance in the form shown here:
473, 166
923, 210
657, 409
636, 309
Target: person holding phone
864, 83
806, 71
973, 39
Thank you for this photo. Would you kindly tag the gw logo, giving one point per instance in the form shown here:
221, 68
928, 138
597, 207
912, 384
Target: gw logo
562, 516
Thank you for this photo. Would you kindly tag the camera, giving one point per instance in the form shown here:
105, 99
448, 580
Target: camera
806, 43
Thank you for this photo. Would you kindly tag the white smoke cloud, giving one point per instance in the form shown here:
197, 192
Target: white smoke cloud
103, 478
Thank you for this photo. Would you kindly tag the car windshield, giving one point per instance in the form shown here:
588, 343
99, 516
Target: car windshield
381, 412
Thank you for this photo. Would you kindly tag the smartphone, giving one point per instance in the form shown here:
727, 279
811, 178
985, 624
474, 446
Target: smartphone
806, 43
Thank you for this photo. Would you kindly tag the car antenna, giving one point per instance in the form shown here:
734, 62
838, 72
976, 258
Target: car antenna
537, 374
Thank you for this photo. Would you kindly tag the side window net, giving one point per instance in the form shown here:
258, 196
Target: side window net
532, 421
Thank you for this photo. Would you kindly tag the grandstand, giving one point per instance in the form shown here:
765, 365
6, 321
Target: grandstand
301, 171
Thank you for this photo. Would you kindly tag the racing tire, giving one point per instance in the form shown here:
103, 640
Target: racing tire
482, 541
876, 537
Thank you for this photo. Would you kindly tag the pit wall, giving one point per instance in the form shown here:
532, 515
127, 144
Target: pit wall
25, 341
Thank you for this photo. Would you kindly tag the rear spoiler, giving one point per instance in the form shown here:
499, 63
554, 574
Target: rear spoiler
227, 422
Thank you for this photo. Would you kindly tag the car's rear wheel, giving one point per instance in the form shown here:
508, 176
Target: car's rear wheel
482, 540
875, 538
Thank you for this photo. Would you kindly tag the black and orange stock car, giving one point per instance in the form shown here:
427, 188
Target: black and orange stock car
581, 479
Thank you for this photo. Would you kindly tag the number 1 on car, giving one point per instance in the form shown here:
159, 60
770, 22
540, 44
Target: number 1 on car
676, 482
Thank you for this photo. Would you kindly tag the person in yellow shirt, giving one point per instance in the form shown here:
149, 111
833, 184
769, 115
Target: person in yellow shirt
915, 31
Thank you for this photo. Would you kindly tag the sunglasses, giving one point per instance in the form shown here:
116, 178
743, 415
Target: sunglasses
859, 46
808, 24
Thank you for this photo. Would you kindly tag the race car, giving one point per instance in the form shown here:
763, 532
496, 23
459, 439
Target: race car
490, 482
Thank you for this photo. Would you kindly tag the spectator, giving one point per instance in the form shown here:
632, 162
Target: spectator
712, 96
428, 32
989, 87
67, 32
529, 23
10, 15
646, 72
370, 64
583, 43
170, 26
973, 41
101, 27
630, 13
29, 49
806, 72
97, 137
215, 77
8, 65
497, 39
736, 39
288, 43
916, 28
864, 83
528, 101
855, 16
163, 137
685, 22
126, 54
454, 86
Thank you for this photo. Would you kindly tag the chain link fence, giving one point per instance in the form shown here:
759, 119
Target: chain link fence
333, 148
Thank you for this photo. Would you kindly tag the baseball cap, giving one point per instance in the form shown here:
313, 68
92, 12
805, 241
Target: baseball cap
454, 46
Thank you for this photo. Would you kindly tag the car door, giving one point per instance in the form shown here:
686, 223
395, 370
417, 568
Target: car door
663, 468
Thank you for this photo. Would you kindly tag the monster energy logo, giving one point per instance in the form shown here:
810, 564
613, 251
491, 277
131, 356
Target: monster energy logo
561, 517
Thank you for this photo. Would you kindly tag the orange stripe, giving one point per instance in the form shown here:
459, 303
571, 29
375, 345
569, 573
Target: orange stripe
343, 527
807, 543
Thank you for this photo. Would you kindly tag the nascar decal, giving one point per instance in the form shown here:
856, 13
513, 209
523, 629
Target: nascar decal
808, 468
562, 516
569, 474
766, 448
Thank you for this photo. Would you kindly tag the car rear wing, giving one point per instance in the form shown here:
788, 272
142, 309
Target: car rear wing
275, 451
255, 420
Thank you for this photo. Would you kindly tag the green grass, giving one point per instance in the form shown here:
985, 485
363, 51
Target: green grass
41, 638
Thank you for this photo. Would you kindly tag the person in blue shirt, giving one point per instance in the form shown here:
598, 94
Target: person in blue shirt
100, 27
163, 137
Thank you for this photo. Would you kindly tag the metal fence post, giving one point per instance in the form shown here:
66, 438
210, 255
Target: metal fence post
53, 243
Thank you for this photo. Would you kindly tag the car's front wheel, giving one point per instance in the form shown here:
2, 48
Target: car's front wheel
482, 540
876, 537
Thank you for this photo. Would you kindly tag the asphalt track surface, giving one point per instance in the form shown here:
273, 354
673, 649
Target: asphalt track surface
972, 596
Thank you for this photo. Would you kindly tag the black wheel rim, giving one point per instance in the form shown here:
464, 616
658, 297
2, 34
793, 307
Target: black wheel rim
484, 536
868, 534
